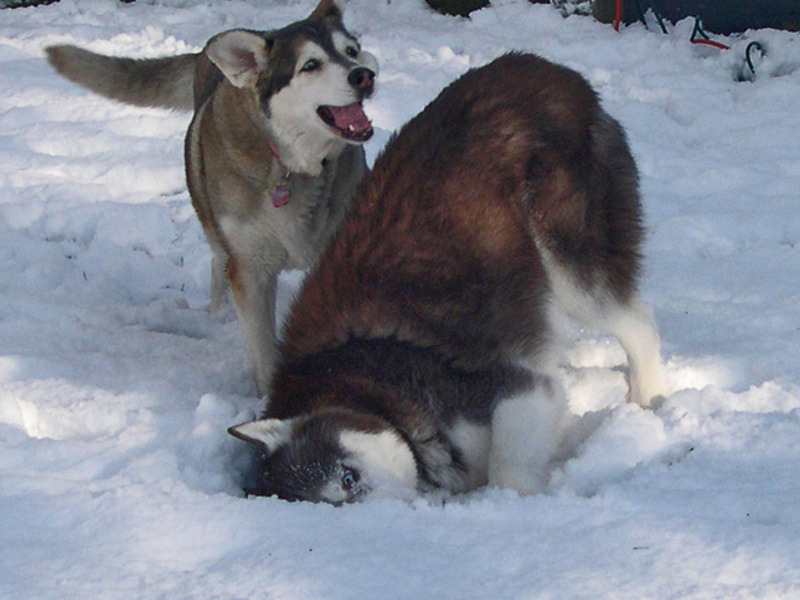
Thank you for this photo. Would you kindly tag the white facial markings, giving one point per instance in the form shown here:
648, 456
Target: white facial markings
348, 48
303, 139
320, 79
345, 45
352, 50
333, 493
384, 461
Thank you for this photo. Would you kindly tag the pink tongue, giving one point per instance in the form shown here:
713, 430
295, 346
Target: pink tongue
351, 115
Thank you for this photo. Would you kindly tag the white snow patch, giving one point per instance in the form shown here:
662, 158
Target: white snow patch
117, 479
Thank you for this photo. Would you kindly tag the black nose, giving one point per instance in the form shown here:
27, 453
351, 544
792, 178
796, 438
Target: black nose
361, 78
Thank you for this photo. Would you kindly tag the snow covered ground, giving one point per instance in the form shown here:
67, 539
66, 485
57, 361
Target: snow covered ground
117, 479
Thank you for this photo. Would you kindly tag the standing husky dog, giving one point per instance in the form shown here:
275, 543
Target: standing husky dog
273, 152
511, 198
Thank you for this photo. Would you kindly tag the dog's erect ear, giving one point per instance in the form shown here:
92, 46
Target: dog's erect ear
328, 8
267, 434
241, 55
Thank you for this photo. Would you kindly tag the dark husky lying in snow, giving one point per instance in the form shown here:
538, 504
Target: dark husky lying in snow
420, 351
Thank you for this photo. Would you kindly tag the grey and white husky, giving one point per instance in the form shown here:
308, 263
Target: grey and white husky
273, 153
420, 352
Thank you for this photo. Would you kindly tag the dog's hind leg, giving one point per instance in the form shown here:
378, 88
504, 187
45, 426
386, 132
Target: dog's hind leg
635, 328
630, 321
526, 432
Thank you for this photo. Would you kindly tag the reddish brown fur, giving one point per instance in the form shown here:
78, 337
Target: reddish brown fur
511, 196
441, 247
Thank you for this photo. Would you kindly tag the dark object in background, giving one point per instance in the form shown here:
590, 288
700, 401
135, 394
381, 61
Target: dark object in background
718, 16
457, 7
24, 3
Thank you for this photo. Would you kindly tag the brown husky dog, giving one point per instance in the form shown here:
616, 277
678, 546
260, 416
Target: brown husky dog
419, 353
273, 152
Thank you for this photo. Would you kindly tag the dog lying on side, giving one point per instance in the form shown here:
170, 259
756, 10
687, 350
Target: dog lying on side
273, 153
419, 353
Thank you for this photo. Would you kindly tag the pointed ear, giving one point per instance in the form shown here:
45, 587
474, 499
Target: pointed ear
242, 56
328, 8
267, 434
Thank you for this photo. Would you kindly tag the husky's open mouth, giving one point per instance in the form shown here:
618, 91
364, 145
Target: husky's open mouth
349, 121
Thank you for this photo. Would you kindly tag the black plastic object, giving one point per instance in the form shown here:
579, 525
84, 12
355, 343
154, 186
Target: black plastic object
718, 16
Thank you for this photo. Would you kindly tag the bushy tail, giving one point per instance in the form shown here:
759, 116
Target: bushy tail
163, 82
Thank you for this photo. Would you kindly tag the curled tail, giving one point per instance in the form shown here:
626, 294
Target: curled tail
163, 82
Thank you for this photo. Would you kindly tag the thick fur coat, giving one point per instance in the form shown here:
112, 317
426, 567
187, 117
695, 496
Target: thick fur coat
420, 352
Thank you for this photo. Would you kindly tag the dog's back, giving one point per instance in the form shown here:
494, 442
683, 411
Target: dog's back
512, 168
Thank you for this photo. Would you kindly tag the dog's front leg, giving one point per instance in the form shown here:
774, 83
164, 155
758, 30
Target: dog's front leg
254, 292
526, 432
219, 284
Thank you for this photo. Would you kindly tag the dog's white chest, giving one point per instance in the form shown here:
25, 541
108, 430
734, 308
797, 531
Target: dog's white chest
283, 231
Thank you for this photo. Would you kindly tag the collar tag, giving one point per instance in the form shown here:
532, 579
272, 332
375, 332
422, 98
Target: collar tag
280, 196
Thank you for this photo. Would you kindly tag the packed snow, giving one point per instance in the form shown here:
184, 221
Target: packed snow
117, 478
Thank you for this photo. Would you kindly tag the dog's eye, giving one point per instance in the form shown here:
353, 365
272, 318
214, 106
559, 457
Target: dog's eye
350, 478
311, 65
351, 51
